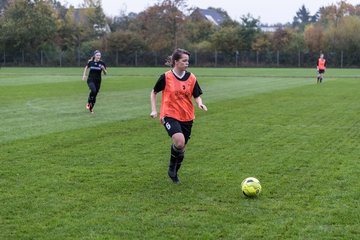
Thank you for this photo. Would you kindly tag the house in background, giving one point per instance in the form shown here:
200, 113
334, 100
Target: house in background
80, 15
3, 4
211, 15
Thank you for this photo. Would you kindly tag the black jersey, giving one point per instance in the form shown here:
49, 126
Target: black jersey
160, 84
95, 70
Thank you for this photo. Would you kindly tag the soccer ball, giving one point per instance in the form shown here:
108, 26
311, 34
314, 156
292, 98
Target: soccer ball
251, 187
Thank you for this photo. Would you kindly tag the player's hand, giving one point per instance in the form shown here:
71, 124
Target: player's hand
104, 70
153, 114
203, 107
84, 78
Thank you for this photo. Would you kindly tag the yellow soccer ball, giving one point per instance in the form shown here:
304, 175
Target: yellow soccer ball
251, 187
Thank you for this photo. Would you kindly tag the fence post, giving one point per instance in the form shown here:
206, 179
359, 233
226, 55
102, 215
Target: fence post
277, 57
4, 58
257, 58
342, 58
195, 58
60, 58
117, 57
216, 55
78, 57
299, 58
156, 61
136, 58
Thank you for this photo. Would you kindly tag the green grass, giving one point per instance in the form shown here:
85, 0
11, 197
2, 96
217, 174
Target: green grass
67, 174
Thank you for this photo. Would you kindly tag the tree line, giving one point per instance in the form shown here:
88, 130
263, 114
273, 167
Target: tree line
45, 32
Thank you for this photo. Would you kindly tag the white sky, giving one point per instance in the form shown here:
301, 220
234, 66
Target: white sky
269, 11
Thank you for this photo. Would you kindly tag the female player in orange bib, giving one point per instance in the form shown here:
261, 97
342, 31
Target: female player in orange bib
321, 66
178, 86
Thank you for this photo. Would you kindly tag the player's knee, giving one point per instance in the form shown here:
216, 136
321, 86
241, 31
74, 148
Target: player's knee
179, 141
180, 144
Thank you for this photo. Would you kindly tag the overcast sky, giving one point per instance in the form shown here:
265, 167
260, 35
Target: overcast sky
269, 11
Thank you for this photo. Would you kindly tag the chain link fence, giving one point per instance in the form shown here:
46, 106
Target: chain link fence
198, 59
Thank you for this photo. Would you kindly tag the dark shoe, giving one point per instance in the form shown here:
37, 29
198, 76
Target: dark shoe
175, 178
172, 172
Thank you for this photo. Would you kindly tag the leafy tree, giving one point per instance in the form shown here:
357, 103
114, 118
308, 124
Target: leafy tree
69, 33
262, 42
296, 43
123, 22
228, 40
303, 18
249, 30
162, 25
280, 39
332, 14
28, 25
125, 42
343, 37
198, 31
313, 36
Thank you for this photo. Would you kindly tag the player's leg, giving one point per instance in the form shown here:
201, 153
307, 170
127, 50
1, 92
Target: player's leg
178, 148
321, 77
173, 128
177, 155
92, 96
186, 130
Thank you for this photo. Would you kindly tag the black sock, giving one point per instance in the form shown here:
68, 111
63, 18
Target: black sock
177, 156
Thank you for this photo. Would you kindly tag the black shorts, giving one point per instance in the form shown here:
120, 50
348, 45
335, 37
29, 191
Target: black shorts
173, 126
321, 71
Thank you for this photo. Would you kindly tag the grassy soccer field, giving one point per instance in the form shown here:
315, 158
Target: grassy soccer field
68, 174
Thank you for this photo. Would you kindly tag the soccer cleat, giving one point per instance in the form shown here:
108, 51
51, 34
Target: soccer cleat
91, 108
172, 172
174, 178
88, 106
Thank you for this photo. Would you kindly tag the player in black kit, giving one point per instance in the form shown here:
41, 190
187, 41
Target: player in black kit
96, 66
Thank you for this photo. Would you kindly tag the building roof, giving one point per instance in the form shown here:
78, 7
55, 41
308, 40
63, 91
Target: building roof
211, 15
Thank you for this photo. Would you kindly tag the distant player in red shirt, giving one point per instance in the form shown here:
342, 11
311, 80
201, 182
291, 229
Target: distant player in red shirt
178, 86
321, 67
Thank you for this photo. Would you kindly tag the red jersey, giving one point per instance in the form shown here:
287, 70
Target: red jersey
176, 99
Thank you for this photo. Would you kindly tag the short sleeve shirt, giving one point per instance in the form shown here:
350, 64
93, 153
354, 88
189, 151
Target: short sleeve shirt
95, 69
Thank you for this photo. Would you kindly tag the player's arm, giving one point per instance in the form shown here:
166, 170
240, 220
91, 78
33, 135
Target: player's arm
153, 113
317, 65
104, 69
196, 94
84, 74
159, 86
200, 104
